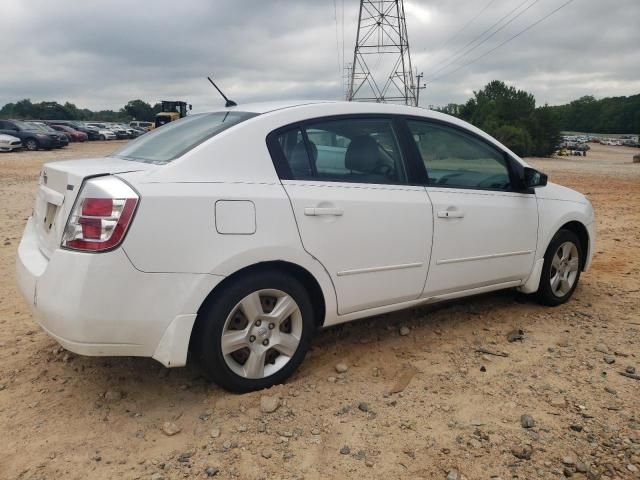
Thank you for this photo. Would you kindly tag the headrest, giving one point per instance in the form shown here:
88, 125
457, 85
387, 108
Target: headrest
362, 154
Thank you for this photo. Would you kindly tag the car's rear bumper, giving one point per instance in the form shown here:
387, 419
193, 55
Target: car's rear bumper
99, 304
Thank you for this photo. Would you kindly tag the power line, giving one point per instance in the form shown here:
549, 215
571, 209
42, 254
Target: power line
505, 42
455, 35
335, 18
457, 56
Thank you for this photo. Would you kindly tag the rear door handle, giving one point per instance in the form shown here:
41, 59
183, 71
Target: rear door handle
450, 214
316, 211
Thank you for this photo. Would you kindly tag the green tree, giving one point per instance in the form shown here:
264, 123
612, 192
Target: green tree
139, 110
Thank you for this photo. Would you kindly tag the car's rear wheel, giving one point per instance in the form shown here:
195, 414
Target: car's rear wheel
102, 137
31, 144
256, 331
561, 269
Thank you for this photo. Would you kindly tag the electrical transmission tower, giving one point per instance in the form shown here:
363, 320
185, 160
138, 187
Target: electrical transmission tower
382, 38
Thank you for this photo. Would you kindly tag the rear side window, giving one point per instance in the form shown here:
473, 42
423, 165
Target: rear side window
455, 159
348, 150
174, 139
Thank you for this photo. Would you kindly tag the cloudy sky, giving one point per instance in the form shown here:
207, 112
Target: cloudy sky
102, 54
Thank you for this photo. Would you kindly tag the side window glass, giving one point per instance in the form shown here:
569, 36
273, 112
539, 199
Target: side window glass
455, 159
349, 150
295, 152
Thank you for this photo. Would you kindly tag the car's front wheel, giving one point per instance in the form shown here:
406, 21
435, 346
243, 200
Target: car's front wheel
561, 269
256, 331
31, 144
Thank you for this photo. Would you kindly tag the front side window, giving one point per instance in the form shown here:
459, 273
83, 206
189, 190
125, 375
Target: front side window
455, 159
176, 138
349, 150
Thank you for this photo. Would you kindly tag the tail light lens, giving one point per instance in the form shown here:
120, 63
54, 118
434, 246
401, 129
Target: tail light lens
101, 215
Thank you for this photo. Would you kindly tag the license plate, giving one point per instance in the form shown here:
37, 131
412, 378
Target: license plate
50, 216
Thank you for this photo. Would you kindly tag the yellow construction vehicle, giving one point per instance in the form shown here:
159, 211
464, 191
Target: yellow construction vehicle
171, 110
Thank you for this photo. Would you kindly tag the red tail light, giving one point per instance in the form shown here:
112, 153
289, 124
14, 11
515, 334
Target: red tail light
101, 215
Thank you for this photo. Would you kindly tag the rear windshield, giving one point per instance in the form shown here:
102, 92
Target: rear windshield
172, 140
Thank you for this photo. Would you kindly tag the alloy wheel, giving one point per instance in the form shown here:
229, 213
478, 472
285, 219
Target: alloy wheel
564, 269
262, 333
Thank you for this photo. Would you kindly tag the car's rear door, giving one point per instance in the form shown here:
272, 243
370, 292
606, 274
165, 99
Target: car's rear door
485, 229
356, 210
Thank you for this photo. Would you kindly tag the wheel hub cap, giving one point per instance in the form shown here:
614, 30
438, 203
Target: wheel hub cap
262, 333
564, 269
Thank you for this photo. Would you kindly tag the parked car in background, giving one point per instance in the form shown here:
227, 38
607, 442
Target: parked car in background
238, 233
32, 138
9, 143
63, 138
139, 130
144, 125
74, 135
104, 133
120, 132
91, 132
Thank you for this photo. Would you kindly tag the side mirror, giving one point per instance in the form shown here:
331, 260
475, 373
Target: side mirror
533, 178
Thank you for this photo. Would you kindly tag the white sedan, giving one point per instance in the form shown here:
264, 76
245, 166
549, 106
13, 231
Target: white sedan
235, 234
9, 143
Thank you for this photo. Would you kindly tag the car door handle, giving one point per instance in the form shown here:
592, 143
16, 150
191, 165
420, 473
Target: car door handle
450, 214
315, 211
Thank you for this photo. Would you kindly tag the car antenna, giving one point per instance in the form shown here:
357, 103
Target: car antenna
230, 103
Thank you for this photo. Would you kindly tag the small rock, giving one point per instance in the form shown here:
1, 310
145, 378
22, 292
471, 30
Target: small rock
184, 457
215, 433
266, 454
112, 396
610, 390
404, 331
342, 368
483, 369
630, 370
515, 335
569, 461
315, 431
632, 468
453, 475
523, 453
157, 476
609, 359
567, 471
527, 421
576, 427
170, 429
363, 406
269, 404
477, 423
602, 348
582, 467
211, 471
345, 450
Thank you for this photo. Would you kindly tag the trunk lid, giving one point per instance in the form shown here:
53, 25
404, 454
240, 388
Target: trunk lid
58, 187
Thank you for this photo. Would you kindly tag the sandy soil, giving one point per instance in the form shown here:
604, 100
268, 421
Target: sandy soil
65, 416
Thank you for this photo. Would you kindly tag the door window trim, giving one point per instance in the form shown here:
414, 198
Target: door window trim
414, 176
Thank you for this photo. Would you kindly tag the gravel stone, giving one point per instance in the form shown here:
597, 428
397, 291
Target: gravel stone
404, 331
342, 368
269, 404
345, 450
527, 421
170, 429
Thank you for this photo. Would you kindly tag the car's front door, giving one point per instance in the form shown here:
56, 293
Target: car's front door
485, 231
356, 210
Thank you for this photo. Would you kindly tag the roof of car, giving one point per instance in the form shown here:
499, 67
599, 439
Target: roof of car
344, 106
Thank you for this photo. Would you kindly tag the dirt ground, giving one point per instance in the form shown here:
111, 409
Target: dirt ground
457, 412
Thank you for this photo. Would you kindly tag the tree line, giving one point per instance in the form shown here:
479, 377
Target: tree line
607, 115
511, 116
27, 110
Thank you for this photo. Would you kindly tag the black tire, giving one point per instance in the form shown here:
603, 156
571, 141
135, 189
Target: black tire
545, 294
207, 344
102, 137
31, 144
